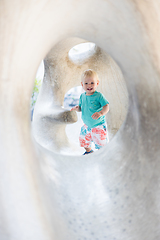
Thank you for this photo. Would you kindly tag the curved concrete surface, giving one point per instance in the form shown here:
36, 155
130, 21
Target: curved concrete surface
62, 74
113, 193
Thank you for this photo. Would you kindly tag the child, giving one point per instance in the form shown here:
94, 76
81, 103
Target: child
94, 106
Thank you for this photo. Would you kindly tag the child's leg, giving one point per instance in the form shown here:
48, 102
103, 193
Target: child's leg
85, 138
100, 136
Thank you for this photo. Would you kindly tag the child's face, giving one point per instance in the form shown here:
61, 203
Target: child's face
90, 84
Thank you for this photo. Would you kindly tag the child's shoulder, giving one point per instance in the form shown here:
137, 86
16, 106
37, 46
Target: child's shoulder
82, 95
98, 94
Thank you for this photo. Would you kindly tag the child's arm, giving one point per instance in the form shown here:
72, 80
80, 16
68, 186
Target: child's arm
76, 108
104, 111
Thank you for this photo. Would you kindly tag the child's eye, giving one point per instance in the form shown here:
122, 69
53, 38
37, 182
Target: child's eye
92, 82
85, 83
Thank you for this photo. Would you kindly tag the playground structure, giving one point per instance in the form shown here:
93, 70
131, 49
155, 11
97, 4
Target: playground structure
113, 193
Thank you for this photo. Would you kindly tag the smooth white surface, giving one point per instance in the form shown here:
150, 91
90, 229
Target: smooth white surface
81, 52
40, 71
114, 193
61, 74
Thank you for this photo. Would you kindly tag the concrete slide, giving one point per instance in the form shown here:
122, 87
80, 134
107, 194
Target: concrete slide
112, 194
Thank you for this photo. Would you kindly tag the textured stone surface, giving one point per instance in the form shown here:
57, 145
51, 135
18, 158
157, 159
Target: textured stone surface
62, 74
113, 193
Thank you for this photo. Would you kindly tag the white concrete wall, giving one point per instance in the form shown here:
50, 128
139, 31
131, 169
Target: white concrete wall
62, 74
114, 193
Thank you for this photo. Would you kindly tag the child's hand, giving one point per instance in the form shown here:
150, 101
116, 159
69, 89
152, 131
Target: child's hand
105, 109
76, 108
96, 115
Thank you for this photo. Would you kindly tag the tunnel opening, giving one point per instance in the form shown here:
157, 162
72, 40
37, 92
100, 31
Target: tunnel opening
82, 52
116, 195
64, 65
36, 89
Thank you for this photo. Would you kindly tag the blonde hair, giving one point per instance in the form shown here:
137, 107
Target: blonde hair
88, 73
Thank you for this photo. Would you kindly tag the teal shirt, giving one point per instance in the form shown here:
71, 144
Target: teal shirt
91, 104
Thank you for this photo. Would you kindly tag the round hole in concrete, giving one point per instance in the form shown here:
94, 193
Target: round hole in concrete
52, 118
82, 52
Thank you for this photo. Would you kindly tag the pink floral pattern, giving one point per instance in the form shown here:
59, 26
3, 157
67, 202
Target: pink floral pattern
98, 135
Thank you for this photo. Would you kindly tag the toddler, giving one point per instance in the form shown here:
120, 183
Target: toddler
94, 106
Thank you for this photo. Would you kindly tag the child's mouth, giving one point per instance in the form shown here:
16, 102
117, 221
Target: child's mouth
89, 89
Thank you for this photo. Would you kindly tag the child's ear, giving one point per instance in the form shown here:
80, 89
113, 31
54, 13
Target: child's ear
97, 82
82, 84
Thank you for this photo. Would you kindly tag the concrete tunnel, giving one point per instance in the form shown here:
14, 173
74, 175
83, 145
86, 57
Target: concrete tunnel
63, 73
113, 193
